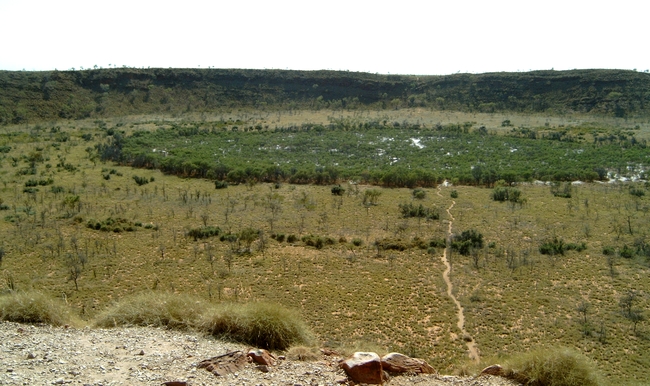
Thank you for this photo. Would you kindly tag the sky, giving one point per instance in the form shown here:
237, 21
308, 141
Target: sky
392, 37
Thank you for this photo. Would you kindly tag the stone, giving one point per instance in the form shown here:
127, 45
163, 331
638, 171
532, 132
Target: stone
141, 352
400, 363
175, 383
225, 364
328, 352
496, 370
261, 357
263, 368
364, 367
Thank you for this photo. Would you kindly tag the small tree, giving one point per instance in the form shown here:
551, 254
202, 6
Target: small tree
583, 308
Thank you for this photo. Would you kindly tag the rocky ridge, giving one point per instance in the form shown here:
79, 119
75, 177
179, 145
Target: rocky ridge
46, 355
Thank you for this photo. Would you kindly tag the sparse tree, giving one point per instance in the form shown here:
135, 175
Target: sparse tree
583, 308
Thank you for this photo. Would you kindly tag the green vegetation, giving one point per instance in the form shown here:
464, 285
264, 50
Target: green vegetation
35, 307
553, 367
30, 97
373, 152
281, 234
263, 325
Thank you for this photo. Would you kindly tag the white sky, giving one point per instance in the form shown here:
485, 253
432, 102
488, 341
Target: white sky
397, 37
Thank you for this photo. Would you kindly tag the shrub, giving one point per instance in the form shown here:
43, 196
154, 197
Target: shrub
357, 242
637, 192
204, 232
57, 189
627, 252
153, 309
140, 180
263, 325
503, 194
553, 367
111, 224
466, 241
392, 244
418, 193
292, 238
338, 190
552, 246
608, 251
454, 194
419, 211
220, 184
34, 307
561, 190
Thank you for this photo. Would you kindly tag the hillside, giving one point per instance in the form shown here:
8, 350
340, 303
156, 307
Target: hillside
30, 97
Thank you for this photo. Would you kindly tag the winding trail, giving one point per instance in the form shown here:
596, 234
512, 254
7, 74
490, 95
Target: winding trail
469, 341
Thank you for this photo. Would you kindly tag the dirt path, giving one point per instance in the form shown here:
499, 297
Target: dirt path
469, 341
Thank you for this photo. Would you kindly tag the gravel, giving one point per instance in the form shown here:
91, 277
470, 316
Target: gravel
46, 355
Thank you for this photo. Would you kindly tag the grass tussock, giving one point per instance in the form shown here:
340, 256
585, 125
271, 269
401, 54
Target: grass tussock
154, 309
553, 367
263, 325
35, 307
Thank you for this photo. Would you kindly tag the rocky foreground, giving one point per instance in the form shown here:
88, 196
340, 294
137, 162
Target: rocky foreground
45, 355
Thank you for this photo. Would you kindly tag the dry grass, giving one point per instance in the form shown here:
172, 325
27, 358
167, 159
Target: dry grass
553, 367
157, 309
264, 325
35, 307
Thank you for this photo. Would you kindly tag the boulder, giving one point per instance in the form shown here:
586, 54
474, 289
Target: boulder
364, 367
493, 370
400, 363
225, 364
261, 357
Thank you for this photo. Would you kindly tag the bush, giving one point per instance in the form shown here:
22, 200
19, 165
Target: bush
111, 224
204, 232
34, 307
637, 192
553, 367
392, 244
454, 194
220, 184
552, 246
561, 191
357, 242
263, 325
420, 194
153, 309
292, 238
419, 211
503, 194
467, 241
609, 251
338, 190
627, 252
140, 180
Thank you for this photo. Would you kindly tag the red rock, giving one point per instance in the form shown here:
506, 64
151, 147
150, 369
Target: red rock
262, 357
225, 364
364, 367
400, 363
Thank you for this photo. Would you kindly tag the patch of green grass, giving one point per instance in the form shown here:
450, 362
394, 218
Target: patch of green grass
153, 309
553, 367
263, 325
